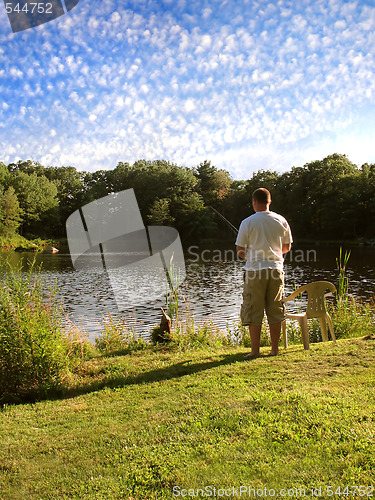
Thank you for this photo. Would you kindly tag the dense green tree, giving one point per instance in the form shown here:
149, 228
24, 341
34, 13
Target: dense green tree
152, 180
328, 198
4, 175
291, 195
191, 217
363, 201
160, 214
325, 198
10, 212
96, 185
27, 167
70, 194
36, 196
214, 184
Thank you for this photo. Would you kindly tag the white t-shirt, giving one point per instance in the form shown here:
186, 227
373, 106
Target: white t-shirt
263, 234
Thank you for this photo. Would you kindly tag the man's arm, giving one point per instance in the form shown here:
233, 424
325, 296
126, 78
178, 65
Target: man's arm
286, 247
241, 252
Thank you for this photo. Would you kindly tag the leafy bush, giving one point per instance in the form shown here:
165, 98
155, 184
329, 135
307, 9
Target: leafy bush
33, 348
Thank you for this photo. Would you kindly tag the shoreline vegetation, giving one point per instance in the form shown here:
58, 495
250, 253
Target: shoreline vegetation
19, 243
38, 245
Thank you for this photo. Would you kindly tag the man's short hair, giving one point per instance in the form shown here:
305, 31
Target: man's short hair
262, 195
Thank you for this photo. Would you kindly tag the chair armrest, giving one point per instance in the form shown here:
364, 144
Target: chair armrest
293, 295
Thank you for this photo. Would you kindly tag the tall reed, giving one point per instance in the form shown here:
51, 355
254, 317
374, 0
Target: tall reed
343, 285
171, 295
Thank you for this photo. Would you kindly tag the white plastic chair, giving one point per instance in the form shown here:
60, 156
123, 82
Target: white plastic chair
316, 308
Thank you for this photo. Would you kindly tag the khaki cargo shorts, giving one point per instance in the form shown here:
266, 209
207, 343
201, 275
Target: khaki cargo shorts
262, 291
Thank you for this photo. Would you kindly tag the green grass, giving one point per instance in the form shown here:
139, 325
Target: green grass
135, 426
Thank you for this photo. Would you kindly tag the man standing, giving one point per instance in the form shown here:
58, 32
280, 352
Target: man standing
262, 240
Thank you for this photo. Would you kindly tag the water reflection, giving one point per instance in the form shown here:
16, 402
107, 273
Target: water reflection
212, 289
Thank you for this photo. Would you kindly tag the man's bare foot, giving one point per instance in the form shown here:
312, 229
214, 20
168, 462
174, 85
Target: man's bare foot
252, 355
274, 353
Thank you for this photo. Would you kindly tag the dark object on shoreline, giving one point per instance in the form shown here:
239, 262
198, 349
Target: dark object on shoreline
50, 250
161, 334
165, 323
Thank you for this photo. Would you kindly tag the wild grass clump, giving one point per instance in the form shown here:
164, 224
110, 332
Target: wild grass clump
352, 318
117, 337
186, 333
192, 335
33, 349
79, 347
240, 335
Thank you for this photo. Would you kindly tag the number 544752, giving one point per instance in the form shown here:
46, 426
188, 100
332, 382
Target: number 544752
32, 7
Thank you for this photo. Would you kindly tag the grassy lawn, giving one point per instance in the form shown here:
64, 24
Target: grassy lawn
136, 426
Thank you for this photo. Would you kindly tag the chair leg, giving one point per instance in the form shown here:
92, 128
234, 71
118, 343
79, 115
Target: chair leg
285, 337
323, 327
305, 333
330, 326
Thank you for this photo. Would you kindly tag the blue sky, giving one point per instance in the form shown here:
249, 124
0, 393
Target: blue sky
248, 85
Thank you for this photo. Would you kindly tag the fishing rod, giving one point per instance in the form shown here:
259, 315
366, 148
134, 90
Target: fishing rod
233, 228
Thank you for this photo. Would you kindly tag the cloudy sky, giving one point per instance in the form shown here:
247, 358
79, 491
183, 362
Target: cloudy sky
246, 84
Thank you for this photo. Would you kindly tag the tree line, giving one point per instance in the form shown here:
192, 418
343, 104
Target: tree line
329, 198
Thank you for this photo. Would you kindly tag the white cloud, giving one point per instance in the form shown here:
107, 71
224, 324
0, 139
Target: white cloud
74, 96
206, 13
115, 18
189, 105
15, 72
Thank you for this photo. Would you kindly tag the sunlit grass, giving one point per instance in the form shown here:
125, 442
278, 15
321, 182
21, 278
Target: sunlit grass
135, 426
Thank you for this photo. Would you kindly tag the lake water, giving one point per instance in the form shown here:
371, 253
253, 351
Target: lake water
212, 289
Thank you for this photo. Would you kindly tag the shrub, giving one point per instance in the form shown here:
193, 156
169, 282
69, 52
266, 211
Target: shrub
33, 348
